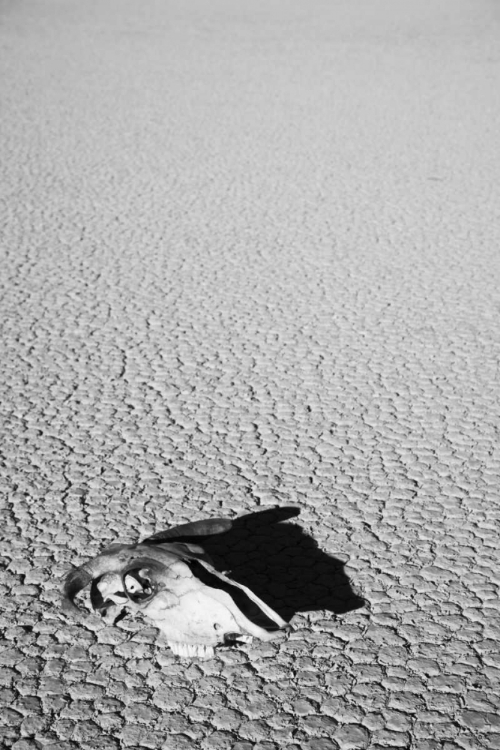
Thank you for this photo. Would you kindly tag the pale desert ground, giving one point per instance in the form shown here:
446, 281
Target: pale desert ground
251, 261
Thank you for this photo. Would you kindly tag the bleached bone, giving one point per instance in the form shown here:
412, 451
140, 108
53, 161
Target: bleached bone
175, 585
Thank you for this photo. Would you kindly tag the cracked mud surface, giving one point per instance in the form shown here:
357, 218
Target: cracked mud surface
250, 260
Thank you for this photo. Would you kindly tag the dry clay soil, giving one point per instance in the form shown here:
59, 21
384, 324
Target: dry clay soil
250, 268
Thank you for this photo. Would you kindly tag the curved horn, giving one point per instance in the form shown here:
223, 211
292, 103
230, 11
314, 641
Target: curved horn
96, 598
186, 531
75, 581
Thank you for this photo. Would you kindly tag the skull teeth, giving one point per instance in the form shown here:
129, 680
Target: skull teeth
192, 650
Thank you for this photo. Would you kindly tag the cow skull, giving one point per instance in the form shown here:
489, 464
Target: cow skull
174, 584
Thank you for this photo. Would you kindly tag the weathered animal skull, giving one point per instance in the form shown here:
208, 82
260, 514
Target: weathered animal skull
175, 585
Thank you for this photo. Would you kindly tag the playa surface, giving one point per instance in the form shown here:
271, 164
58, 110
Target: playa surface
250, 263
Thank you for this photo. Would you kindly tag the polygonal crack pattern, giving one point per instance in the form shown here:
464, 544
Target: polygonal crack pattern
249, 261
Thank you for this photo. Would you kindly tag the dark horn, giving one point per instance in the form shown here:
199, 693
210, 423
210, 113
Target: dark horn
76, 580
193, 530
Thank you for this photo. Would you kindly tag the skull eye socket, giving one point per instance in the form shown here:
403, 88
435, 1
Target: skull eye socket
138, 585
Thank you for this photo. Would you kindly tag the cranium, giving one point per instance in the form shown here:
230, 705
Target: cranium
175, 584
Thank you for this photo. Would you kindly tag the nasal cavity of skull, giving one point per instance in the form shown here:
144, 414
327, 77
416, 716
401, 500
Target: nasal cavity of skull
138, 584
